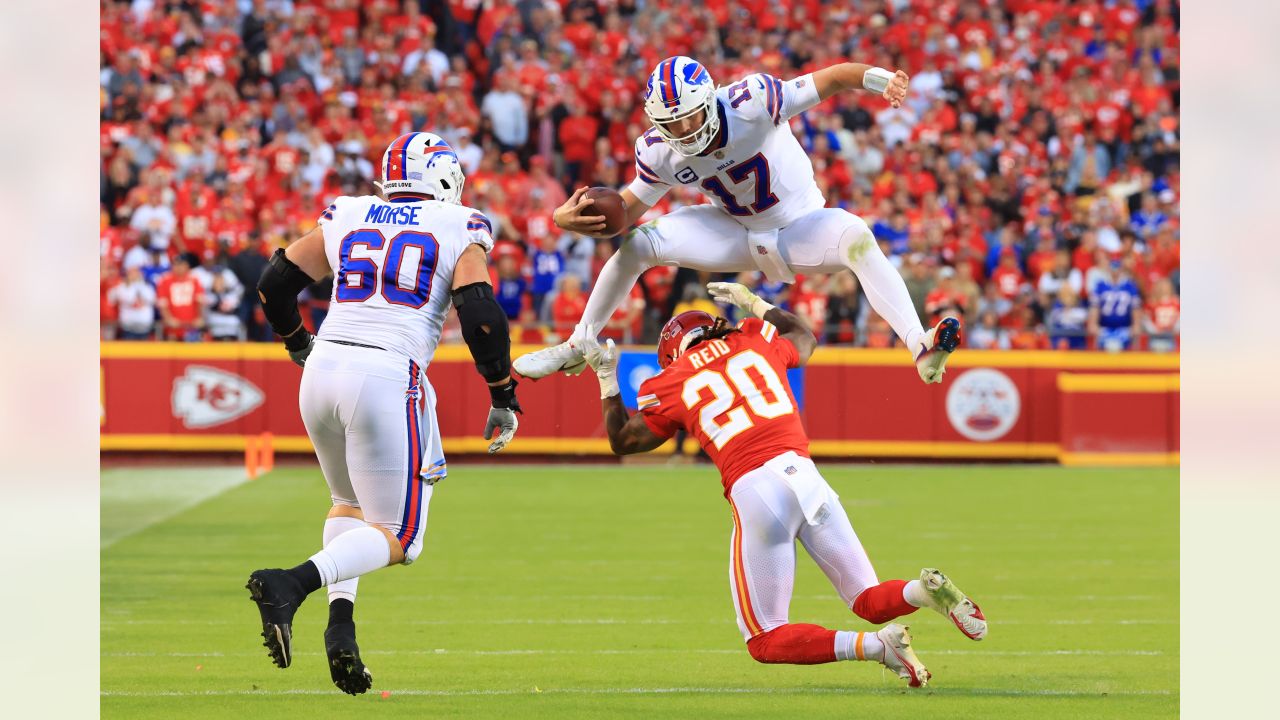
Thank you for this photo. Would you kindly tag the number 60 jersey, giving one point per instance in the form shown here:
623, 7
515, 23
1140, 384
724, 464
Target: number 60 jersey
732, 394
393, 269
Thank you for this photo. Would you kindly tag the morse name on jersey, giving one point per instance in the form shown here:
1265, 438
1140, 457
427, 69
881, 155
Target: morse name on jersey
380, 214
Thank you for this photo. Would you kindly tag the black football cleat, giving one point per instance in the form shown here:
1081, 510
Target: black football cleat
345, 666
278, 596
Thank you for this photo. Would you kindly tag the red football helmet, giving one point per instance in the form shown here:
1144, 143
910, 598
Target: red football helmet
679, 332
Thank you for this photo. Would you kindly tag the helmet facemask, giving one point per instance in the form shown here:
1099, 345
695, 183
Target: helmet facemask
700, 138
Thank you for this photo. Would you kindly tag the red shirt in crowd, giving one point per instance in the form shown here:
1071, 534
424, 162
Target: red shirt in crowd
1008, 280
182, 296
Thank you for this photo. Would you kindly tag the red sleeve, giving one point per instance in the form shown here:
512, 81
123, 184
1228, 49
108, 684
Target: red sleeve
659, 409
766, 335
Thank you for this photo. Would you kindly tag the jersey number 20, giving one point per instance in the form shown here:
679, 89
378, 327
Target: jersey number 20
405, 278
736, 419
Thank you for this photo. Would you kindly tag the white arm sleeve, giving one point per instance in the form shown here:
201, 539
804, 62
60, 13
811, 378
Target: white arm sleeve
784, 100
798, 94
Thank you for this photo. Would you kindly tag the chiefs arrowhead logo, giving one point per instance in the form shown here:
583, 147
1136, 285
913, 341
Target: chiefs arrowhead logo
206, 396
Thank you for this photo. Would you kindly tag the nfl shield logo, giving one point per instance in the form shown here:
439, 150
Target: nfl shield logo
762, 250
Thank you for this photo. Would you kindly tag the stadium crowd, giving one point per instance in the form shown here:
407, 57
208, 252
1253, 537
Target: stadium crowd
1030, 182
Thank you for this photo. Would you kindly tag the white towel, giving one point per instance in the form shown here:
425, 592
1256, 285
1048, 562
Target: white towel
764, 251
807, 484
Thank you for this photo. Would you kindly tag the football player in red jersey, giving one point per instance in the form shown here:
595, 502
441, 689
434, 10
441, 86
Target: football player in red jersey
727, 387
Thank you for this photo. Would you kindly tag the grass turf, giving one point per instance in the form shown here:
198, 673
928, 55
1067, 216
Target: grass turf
573, 592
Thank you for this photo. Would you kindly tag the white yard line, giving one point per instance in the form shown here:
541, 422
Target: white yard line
645, 651
621, 621
651, 691
145, 496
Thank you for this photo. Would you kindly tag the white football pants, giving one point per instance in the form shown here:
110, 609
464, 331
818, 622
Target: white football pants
371, 416
773, 506
704, 237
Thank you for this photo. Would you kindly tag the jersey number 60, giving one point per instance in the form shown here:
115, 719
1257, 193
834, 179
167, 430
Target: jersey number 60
406, 273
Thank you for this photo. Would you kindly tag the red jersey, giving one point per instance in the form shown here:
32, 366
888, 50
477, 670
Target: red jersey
732, 395
182, 295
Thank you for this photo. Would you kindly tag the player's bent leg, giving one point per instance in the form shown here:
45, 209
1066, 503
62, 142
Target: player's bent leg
794, 644
342, 518
345, 666
884, 602
835, 547
762, 555
805, 644
831, 240
700, 237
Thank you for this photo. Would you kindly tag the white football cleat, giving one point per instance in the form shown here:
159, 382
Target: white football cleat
939, 343
946, 599
900, 658
567, 357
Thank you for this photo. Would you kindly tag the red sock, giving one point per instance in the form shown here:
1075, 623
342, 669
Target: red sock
796, 644
882, 603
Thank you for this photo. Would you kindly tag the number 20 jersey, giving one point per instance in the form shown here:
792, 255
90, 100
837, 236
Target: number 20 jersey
393, 268
732, 395
755, 170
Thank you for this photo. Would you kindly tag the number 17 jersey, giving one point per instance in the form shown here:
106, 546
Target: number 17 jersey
393, 268
731, 393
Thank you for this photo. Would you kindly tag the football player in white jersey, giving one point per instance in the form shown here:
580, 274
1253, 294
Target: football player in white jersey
735, 146
397, 263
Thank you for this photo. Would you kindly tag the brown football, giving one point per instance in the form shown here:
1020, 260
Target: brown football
609, 203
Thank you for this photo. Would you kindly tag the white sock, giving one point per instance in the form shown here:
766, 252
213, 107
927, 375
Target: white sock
333, 527
886, 290
614, 284
914, 593
847, 646
352, 554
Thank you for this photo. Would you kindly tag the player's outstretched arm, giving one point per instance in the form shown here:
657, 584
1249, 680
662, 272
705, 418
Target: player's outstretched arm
627, 434
789, 326
488, 336
892, 86
289, 271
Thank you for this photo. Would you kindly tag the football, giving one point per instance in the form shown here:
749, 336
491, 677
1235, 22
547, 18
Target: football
610, 204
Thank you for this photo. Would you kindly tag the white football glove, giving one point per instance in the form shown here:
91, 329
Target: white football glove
603, 359
739, 295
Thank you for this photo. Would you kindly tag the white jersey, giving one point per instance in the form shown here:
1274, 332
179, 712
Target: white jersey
755, 170
393, 269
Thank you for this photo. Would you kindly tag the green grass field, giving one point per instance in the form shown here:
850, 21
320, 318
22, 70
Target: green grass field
576, 592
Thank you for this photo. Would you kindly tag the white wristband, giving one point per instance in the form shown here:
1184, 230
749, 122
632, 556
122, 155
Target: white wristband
876, 79
759, 307
609, 386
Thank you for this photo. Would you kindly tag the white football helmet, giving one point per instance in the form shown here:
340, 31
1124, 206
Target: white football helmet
678, 88
422, 162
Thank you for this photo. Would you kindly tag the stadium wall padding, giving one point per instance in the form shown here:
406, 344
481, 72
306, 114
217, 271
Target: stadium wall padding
1073, 407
